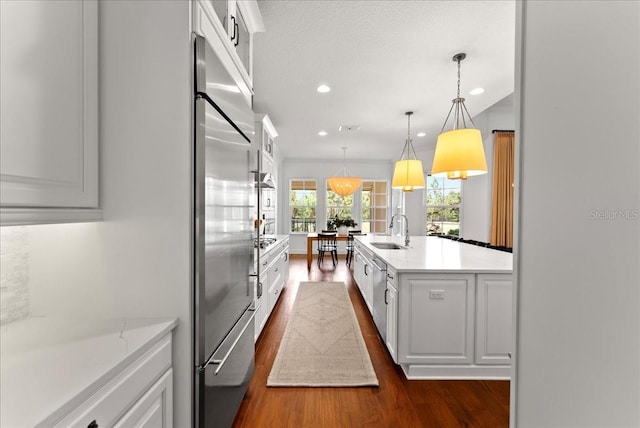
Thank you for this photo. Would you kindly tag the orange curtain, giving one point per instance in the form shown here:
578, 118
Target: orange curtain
502, 205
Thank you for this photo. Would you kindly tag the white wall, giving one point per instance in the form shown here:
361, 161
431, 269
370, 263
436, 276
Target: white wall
319, 170
578, 245
137, 262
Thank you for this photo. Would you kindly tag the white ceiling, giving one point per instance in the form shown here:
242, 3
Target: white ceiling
380, 58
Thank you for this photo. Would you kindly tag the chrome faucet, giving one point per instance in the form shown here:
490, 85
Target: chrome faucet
406, 227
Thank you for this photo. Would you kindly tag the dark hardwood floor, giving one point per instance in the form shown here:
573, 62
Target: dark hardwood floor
397, 402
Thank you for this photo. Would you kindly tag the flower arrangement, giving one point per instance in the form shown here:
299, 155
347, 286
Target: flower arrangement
336, 222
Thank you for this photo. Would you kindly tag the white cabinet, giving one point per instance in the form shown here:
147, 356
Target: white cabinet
154, 409
262, 304
362, 273
49, 111
274, 273
139, 395
276, 282
266, 134
436, 325
493, 319
391, 299
229, 26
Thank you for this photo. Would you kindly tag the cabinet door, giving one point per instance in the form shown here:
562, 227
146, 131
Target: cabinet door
493, 319
154, 409
368, 284
242, 41
436, 318
275, 284
262, 308
391, 299
49, 104
358, 269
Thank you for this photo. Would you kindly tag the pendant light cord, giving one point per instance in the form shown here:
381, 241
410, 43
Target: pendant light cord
407, 145
458, 104
344, 161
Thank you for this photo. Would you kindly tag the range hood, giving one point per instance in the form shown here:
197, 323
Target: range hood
265, 180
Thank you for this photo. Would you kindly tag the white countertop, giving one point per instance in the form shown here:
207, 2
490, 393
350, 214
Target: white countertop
47, 364
437, 255
279, 240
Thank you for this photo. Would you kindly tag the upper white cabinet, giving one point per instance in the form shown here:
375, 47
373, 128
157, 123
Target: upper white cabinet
229, 26
49, 111
265, 134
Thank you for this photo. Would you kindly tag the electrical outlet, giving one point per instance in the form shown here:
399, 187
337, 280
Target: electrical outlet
436, 294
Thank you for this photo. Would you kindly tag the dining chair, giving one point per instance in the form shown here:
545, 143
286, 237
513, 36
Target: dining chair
352, 233
327, 243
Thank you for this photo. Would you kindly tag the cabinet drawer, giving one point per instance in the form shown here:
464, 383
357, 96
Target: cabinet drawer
111, 402
154, 409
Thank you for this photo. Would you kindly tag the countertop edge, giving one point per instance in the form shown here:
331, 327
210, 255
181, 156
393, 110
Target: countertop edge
365, 241
106, 377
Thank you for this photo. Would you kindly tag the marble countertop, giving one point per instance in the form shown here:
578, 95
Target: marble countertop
47, 364
437, 255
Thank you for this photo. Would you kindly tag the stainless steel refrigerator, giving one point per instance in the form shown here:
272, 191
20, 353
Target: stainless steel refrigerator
224, 243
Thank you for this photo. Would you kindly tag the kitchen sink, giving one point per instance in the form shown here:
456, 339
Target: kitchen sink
388, 246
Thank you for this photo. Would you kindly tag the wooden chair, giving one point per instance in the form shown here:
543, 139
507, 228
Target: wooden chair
352, 233
327, 243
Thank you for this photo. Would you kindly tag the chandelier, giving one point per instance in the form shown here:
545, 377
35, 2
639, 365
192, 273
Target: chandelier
408, 173
344, 185
459, 153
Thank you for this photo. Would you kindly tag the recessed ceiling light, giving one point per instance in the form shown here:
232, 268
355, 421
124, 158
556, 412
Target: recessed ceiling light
476, 91
323, 89
421, 134
322, 133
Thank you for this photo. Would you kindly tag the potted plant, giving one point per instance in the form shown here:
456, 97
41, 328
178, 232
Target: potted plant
341, 224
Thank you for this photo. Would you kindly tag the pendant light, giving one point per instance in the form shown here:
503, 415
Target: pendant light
344, 185
408, 173
459, 153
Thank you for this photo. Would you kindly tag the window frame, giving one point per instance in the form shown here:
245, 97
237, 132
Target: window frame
292, 207
373, 208
327, 207
459, 206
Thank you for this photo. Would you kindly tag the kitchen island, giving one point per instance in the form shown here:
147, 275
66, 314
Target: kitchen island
72, 372
444, 310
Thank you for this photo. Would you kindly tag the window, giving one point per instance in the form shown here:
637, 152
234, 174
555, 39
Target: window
444, 197
374, 207
302, 205
338, 206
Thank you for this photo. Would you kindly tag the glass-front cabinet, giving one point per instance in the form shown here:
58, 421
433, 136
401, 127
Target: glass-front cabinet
235, 23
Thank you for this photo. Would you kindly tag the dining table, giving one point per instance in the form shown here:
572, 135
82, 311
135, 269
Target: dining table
314, 237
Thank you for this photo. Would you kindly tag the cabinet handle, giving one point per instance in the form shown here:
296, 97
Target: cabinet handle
286, 256
235, 28
386, 290
238, 37
389, 276
259, 289
365, 269
93, 424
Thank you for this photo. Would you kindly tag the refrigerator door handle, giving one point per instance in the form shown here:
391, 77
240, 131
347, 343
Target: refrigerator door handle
220, 362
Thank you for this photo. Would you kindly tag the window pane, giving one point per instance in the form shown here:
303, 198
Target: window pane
302, 204
375, 205
380, 187
444, 198
380, 227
